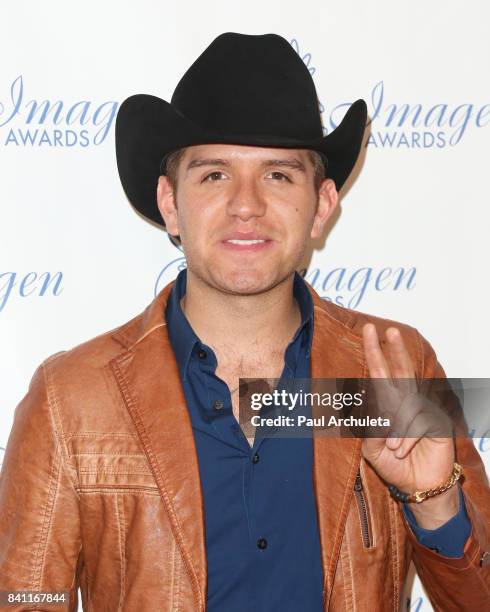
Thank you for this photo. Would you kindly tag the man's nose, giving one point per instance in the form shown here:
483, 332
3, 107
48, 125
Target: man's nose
245, 199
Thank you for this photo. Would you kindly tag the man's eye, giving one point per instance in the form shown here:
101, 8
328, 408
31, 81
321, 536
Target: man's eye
279, 176
213, 176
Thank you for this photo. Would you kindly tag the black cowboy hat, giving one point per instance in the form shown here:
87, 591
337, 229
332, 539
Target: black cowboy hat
243, 89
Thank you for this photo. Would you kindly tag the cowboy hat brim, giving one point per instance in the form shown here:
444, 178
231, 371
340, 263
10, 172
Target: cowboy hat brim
149, 128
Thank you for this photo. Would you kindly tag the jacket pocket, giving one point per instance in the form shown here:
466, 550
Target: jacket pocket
110, 460
363, 509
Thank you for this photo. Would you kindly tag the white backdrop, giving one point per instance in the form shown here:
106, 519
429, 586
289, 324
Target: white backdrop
410, 243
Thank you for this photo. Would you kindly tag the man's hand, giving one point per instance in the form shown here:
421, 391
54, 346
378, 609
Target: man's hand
412, 457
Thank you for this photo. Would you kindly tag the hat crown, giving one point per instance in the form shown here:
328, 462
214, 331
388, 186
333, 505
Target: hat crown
255, 84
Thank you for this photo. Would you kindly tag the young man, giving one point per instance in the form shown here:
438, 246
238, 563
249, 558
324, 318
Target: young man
126, 470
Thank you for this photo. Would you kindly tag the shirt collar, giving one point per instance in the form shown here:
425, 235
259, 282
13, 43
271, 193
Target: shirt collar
183, 338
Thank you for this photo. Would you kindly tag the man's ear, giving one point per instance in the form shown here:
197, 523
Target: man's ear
328, 198
167, 206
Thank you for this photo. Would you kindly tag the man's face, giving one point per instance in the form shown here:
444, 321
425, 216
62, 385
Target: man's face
227, 193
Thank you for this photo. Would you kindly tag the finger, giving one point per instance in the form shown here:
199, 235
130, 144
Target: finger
376, 362
422, 426
401, 424
401, 365
382, 399
378, 368
406, 447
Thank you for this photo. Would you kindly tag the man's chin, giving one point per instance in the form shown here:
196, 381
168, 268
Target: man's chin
247, 282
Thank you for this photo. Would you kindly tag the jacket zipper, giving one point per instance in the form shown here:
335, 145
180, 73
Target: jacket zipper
363, 511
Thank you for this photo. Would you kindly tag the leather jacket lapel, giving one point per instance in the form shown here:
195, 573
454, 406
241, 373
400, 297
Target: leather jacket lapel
148, 377
335, 353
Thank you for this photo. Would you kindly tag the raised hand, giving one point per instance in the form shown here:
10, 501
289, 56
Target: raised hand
419, 453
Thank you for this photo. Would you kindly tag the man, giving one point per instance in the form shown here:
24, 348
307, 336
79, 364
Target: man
126, 470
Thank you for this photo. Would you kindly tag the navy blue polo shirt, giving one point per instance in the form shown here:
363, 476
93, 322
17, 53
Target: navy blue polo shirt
261, 526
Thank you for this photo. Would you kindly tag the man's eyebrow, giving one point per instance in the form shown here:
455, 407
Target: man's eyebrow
197, 163
293, 164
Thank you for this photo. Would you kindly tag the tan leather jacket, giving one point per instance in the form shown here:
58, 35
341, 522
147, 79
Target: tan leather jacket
100, 484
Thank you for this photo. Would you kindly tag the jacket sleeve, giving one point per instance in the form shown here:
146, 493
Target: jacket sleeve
461, 583
448, 539
40, 541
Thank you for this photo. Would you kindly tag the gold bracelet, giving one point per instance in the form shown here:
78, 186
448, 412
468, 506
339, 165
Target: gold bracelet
420, 496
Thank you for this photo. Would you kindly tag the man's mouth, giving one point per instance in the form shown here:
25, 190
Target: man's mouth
237, 244
245, 241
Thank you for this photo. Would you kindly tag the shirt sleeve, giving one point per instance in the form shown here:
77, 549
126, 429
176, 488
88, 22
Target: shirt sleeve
448, 539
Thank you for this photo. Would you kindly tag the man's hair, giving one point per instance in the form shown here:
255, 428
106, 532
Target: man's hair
173, 160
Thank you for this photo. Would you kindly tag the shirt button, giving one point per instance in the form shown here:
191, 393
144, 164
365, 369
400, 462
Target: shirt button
255, 458
218, 404
261, 543
202, 354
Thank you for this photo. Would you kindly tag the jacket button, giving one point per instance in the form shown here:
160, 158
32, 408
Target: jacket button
202, 354
218, 404
261, 543
485, 559
255, 458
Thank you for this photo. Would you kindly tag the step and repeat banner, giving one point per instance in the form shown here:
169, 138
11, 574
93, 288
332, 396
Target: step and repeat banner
409, 243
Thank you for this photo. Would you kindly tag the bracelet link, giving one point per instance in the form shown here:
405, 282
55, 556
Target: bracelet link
419, 496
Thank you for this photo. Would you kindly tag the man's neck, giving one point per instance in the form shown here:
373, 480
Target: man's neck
242, 324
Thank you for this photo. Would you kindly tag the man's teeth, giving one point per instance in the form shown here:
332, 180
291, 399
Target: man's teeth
245, 241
